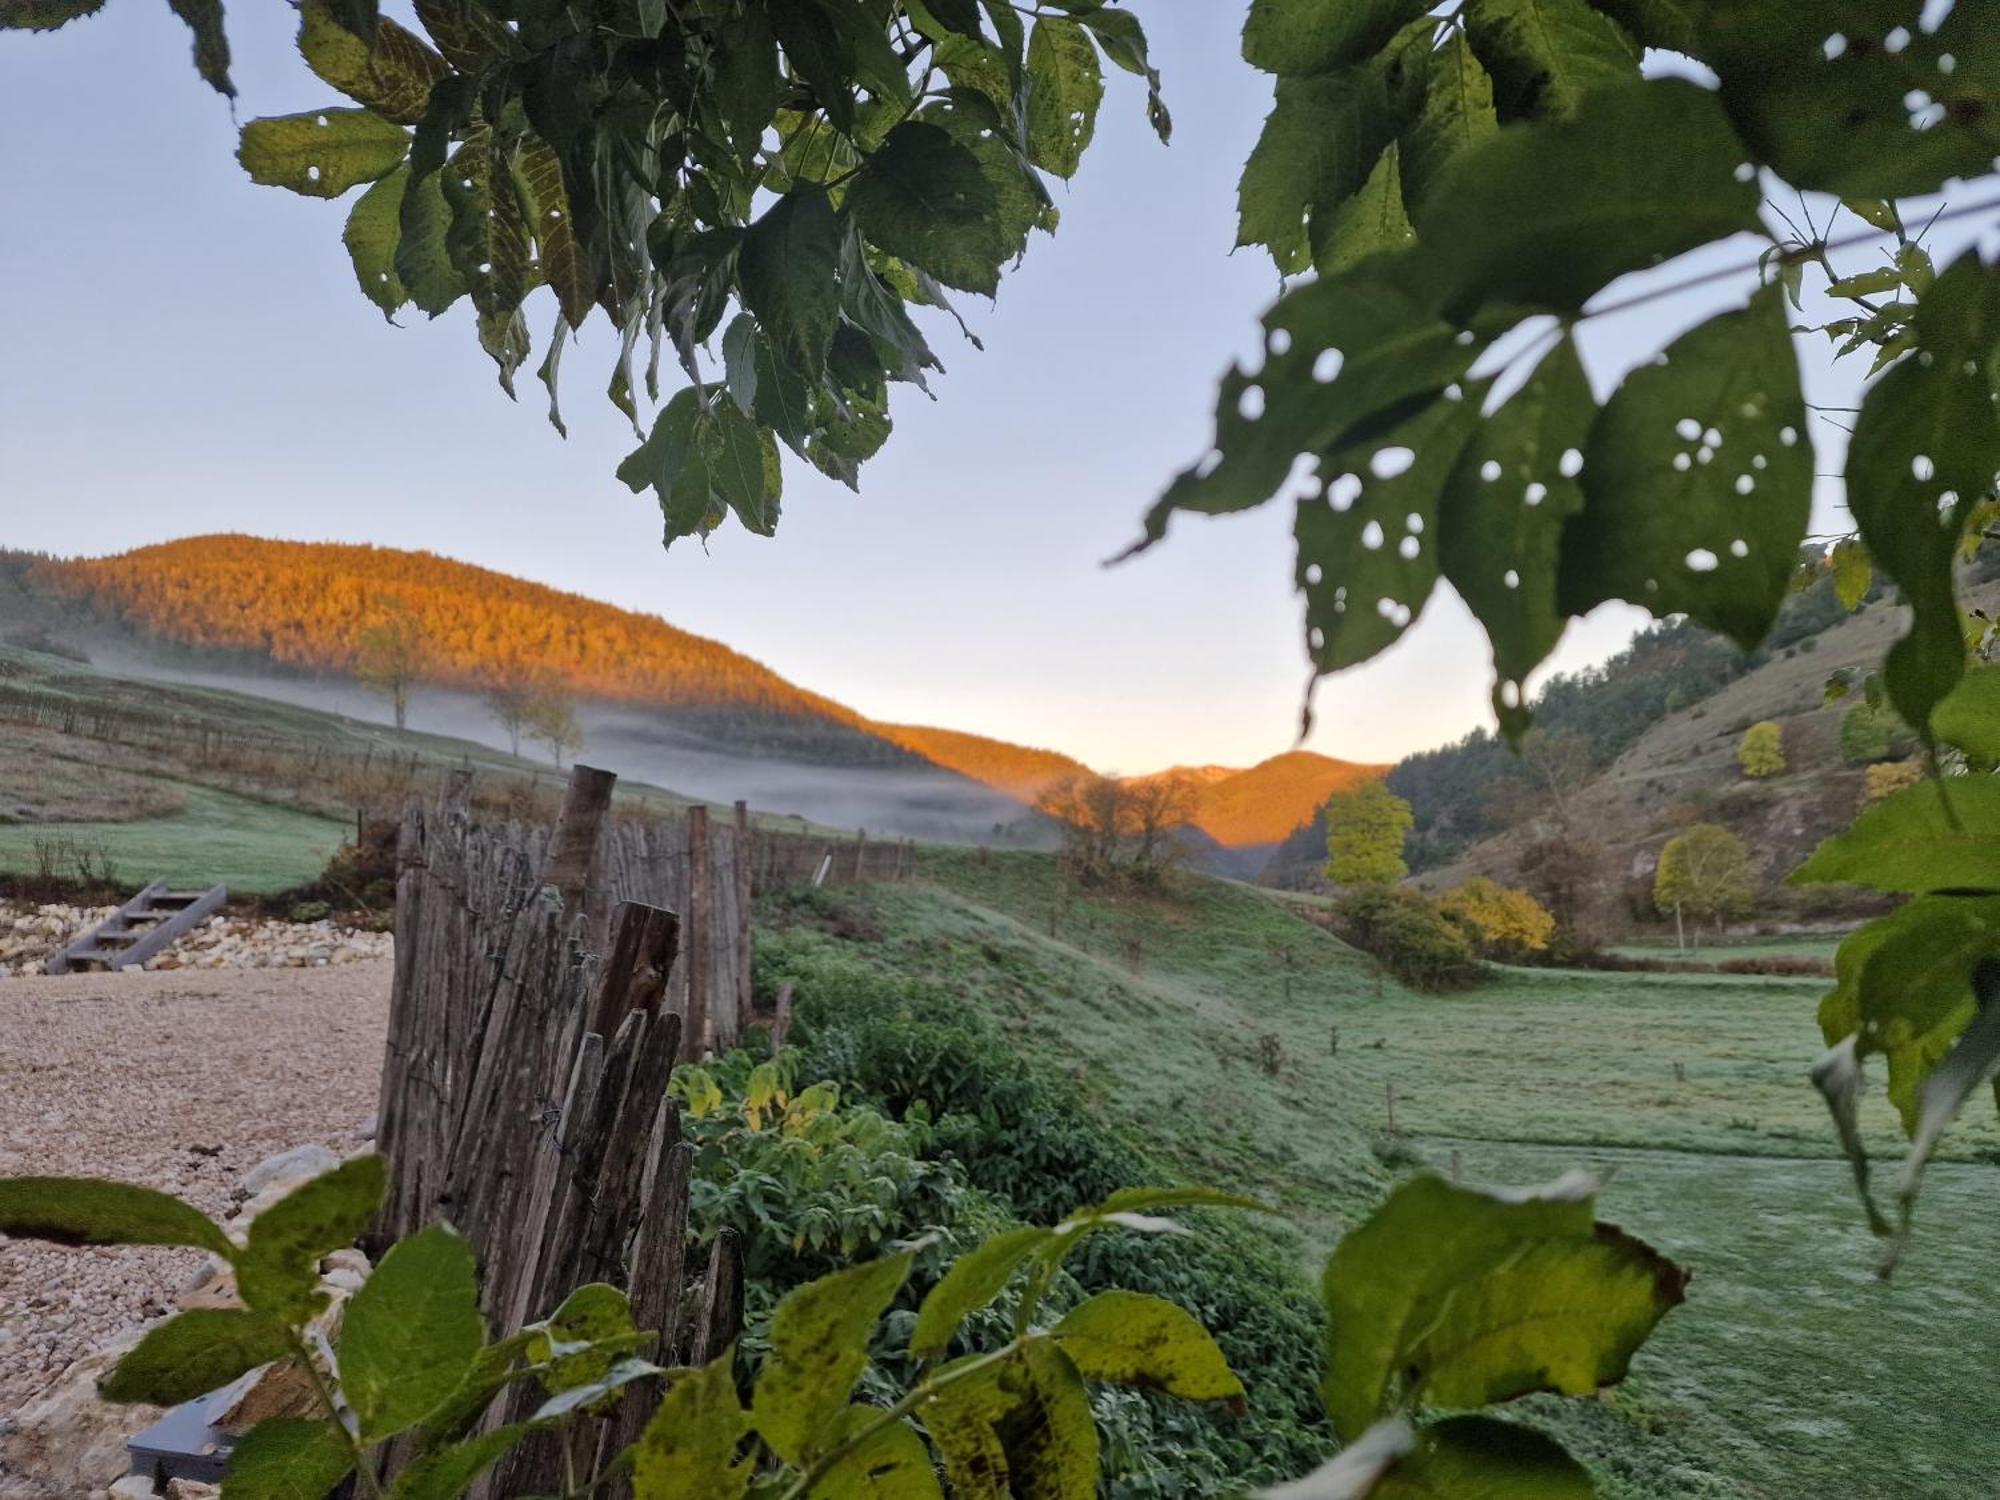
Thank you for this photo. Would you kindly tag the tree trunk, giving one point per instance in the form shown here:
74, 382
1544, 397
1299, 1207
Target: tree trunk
1680, 933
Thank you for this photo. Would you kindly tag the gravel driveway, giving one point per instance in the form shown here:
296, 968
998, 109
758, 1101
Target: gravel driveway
181, 1081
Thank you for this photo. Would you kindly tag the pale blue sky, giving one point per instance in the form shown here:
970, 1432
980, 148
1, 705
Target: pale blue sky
188, 352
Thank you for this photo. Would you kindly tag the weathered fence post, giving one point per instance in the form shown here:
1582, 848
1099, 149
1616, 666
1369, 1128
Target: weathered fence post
694, 1032
745, 894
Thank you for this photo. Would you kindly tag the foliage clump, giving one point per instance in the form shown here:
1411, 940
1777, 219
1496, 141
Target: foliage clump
1504, 922
1121, 830
1871, 732
1365, 829
1407, 934
1705, 874
1761, 752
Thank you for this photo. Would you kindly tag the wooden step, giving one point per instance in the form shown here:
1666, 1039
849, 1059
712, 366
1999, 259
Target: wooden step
149, 923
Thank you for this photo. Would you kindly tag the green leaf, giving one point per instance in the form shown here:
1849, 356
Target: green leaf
411, 1333
1294, 37
1512, 492
283, 1459
1547, 214
45, 15
688, 1450
193, 1353
1147, 1200
565, 262
278, 1272
1317, 149
892, 1465
974, 1281
1478, 1458
423, 264
393, 76
321, 153
1934, 835
1547, 55
1449, 1296
374, 229
819, 1347
87, 1211
1368, 543
1372, 220
579, 1340
787, 267
964, 1420
1925, 449
1969, 716
1051, 1439
1065, 87
926, 196
1867, 284
1853, 572
1698, 480
211, 46
742, 467
1343, 352
619, 1374
469, 35
1457, 115
1128, 1338
1123, 39
1971, 1065
447, 1473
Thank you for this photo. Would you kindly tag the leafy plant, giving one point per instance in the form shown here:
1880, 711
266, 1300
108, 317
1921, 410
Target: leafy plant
822, 167
1704, 873
1761, 752
1505, 922
1365, 829
1410, 937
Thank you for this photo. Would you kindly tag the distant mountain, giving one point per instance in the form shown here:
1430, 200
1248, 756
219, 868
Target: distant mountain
674, 706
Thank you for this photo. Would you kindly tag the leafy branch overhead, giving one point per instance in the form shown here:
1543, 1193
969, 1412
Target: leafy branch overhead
1457, 174
825, 167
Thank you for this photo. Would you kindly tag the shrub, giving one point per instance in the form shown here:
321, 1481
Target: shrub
1410, 938
1762, 752
1890, 776
1870, 733
1502, 922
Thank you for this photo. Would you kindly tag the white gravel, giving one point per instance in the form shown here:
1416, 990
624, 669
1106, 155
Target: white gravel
181, 1081
29, 934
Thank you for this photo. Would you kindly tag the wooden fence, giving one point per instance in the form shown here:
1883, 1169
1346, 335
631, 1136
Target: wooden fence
546, 981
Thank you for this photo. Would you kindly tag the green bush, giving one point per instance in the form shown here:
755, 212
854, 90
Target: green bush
1410, 938
1870, 733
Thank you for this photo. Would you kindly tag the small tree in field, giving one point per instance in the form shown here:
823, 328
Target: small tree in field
390, 656
1365, 829
509, 696
1119, 829
1762, 752
551, 720
1703, 873
1505, 922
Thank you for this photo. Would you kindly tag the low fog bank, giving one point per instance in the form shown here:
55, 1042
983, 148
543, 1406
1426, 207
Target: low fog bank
892, 794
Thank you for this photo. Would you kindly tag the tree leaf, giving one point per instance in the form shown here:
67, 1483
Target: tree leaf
688, 1450
1353, 1472
1316, 151
211, 46
613, 1379
565, 263
87, 1211
927, 197
1546, 55
1128, 1338
964, 1420
447, 1473
892, 1465
581, 1339
1853, 572
1546, 215
819, 1347
1972, 1064
393, 76
1051, 1437
787, 268
411, 1333
1367, 544
1457, 115
1478, 1458
193, 1353
1934, 835
45, 15
1123, 39
1372, 220
1455, 1297
1698, 480
321, 153
1510, 495
1969, 716
1926, 446
374, 230
1144, 1200
278, 1271
974, 1281
423, 264
283, 1459
469, 35
1294, 37
1065, 87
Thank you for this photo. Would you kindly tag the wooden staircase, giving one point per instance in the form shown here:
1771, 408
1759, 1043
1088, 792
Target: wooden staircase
149, 923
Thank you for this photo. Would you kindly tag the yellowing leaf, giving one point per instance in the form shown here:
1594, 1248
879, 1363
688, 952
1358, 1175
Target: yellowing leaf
819, 1347
1128, 1338
321, 153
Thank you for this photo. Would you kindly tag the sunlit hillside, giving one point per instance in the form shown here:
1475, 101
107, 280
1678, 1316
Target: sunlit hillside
1018, 770
1263, 804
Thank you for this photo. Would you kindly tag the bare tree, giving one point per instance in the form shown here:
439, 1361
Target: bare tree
390, 656
510, 697
1120, 829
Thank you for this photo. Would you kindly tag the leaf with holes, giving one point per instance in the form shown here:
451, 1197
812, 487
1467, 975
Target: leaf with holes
284, 1459
1316, 151
88, 1211
894, 1464
323, 152
1450, 1296
1698, 480
278, 1271
819, 1347
1547, 55
1022, 1428
1937, 835
1500, 524
1128, 1338
1925, 449
193, 1353
1295, 37
565, 262
374, 230
1065, 87
1547, 214
411, 1334
1368, 548
1457, 115
1342, 352
1372, 220
393, 77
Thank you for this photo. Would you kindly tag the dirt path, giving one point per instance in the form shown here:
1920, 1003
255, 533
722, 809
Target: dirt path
181, 1081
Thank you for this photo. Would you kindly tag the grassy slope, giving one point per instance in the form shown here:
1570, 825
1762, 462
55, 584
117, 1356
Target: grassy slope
1790, 1375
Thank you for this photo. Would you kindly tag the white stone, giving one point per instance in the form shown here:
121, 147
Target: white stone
300, 1164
